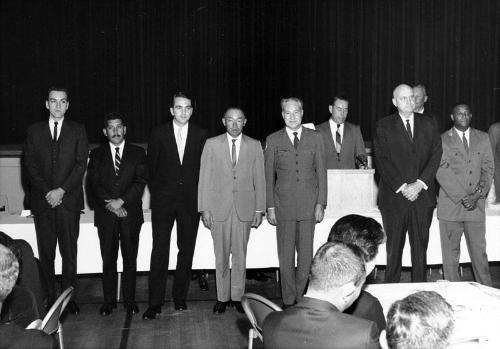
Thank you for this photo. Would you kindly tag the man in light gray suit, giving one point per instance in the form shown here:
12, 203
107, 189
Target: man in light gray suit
231, 198
296, 192
344, 146
465, 174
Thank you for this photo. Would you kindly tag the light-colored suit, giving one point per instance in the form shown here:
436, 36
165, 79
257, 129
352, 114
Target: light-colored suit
296, 182
352, 146
232, 195
459, 174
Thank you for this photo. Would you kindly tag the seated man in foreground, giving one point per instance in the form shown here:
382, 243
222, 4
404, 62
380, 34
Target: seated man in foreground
366, 234
335, 281
419, 321
11, 335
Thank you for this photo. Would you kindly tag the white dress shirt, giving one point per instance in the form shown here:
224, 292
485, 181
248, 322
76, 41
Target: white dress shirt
237, 143
291, 135
59, 126
184, 132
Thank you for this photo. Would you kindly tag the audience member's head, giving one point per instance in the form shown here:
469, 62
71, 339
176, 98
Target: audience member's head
364, 232
419, 321
337, 274
9, 242
9, 271
420, 95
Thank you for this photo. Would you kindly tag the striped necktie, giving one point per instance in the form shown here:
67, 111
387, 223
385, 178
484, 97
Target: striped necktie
338, 139
117, 160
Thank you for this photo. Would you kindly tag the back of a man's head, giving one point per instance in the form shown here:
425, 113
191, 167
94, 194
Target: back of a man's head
364, 232
419, 321
9, 271
335, 265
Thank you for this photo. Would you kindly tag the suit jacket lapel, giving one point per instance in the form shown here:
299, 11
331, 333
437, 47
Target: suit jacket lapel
331, 142
458, 142
473, 140
224, 148
400, 126
169, 140
285, 139
243, 155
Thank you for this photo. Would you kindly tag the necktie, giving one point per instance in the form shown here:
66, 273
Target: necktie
117, 160
55, 132
180, 145
408, 129
466, 144
295, 140
338, 139
233, 153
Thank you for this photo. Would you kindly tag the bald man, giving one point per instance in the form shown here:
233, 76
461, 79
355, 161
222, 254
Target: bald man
407, 156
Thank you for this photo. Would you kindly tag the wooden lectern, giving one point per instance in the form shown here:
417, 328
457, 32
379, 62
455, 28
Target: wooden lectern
351, 191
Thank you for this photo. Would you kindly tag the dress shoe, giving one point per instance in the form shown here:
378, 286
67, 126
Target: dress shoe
181, 305
73, 308
131, 308
106, 309
220, 307
151, 312
203, 282
238, 306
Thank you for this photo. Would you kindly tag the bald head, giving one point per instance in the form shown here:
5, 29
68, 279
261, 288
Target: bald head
403, 100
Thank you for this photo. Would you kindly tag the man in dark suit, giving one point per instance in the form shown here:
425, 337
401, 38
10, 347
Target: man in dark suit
407, 155
174, 154
465, 176
56, 155
366, 234
296, 192
420, 95
344, 146
337, 275
117, 177
232, 200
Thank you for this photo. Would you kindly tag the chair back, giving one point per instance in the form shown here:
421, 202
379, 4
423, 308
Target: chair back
50, 323
257, 308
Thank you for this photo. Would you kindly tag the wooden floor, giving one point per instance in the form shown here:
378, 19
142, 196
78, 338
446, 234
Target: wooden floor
197, 327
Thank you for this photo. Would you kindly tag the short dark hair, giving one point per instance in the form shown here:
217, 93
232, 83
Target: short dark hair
58, 88
421, 320
364, 232
421, 86
340, 97
335, 265
235, 108
458, 104
113, 116
181, 95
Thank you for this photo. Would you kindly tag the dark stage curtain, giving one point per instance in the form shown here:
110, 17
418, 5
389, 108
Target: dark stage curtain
130, 56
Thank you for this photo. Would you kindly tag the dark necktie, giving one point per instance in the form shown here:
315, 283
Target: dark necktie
117, 160
295, 140
408, 129
233, 153
338, 139
55, 132
466, 144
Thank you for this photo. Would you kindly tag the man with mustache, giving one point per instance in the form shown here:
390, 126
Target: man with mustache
117, 177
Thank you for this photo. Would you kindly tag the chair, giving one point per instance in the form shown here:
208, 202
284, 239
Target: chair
256, 308
51, 323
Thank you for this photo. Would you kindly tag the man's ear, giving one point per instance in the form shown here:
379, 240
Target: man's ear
394, 102
425, 99
330, 109
348, 290
383, 340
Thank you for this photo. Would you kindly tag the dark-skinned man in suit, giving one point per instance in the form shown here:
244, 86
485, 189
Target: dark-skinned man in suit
174, 153
56, 155
296, 192
407, 155
117, 176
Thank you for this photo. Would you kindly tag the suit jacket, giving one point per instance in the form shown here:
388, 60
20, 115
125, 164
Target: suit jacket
460, 173
315, 324
400, 160
221, 187
65, 170
494, 133
295, 179
129, 185
368, 307
168, 178
352, 146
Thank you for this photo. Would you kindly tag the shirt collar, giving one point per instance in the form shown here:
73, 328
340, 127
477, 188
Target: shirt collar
230, 138
334, 125
113, 147
182, 128
290, 132
460, 133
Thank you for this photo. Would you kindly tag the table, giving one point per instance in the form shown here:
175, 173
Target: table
262, 250
477, 309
